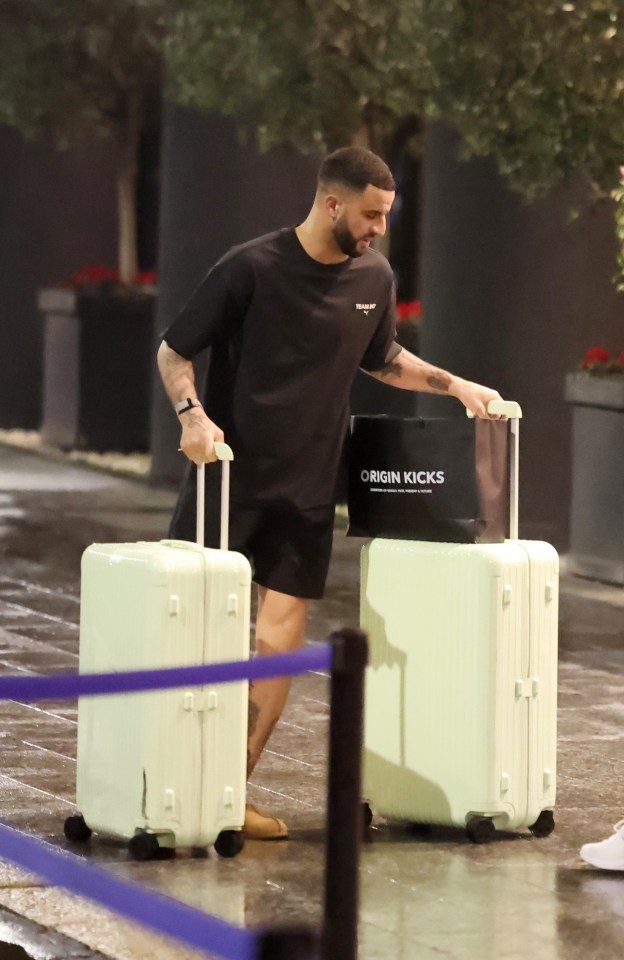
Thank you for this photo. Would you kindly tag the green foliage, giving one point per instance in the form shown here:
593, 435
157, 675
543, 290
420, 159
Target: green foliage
75, 69
538, 85
312, 72
70, 67
617, 194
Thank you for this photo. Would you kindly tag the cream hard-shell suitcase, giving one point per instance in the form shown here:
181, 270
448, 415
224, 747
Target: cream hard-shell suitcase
164, 769
461, 688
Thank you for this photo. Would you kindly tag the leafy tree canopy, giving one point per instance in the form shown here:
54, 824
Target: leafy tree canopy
75, 69
69, 67
312, 72
538, 85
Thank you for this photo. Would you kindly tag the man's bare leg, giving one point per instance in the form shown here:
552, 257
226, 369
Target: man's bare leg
280, 628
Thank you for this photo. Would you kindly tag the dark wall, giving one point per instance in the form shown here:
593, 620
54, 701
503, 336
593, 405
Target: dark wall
513, 295
215, 193
57, 214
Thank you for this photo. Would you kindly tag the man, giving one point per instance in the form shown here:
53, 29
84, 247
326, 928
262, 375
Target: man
290, 317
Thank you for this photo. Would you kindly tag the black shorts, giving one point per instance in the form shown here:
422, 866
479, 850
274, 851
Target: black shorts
289, 549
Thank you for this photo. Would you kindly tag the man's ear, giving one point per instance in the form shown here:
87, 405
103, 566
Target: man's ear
332, 205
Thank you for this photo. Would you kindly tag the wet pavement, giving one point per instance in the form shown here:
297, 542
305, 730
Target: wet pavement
423, 896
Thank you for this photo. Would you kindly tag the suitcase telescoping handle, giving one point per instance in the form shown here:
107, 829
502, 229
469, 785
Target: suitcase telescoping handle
225, 455
513, 412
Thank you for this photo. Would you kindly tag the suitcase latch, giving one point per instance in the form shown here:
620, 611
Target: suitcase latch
528, 688
201, 700
524, 688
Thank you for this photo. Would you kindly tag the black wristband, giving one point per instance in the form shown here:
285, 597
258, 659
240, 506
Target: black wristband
185, 405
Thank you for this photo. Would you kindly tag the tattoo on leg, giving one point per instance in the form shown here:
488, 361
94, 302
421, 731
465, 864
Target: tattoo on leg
270, 730
254, 713
261, 745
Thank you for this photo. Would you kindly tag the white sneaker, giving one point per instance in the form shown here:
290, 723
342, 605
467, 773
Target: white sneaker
609, 853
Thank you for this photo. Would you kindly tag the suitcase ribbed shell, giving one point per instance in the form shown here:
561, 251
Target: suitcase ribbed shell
170, 762
460, 715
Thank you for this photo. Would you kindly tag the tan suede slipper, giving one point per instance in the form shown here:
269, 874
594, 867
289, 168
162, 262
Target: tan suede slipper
259, 826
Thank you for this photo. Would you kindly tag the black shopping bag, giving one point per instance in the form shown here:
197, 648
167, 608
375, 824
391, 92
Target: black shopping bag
429, 479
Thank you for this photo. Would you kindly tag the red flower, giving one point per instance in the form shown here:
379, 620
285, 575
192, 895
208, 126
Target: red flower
594, 356
96, 274
147, 278
409, 310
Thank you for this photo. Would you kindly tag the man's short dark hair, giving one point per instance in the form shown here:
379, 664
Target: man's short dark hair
356, 168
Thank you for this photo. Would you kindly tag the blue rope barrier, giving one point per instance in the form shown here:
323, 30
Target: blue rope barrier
160, 913
95, 684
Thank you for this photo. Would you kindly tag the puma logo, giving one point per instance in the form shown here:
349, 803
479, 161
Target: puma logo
365, 307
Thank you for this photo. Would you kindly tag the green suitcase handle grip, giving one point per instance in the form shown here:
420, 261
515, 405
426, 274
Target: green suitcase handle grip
222, 451
502, 408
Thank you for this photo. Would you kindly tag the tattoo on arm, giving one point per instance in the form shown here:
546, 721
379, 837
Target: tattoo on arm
172, 360
176, 372
436, 379
392, 369
439, 380
174, 366
396, 367
192, 419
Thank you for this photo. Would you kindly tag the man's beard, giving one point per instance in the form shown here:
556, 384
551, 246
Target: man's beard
345, 239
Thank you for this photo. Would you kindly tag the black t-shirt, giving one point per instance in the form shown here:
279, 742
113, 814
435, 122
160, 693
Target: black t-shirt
287, 335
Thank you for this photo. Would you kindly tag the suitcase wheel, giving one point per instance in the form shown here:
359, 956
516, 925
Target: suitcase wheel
76, 830
480, 829
229, 843
367, 820
144, 846
544, 825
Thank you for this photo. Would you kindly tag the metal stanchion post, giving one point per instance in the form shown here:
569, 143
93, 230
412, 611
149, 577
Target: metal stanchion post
344, 811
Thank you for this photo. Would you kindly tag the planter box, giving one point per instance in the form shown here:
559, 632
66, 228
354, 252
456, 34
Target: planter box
98, 365
592, 391
597, 511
